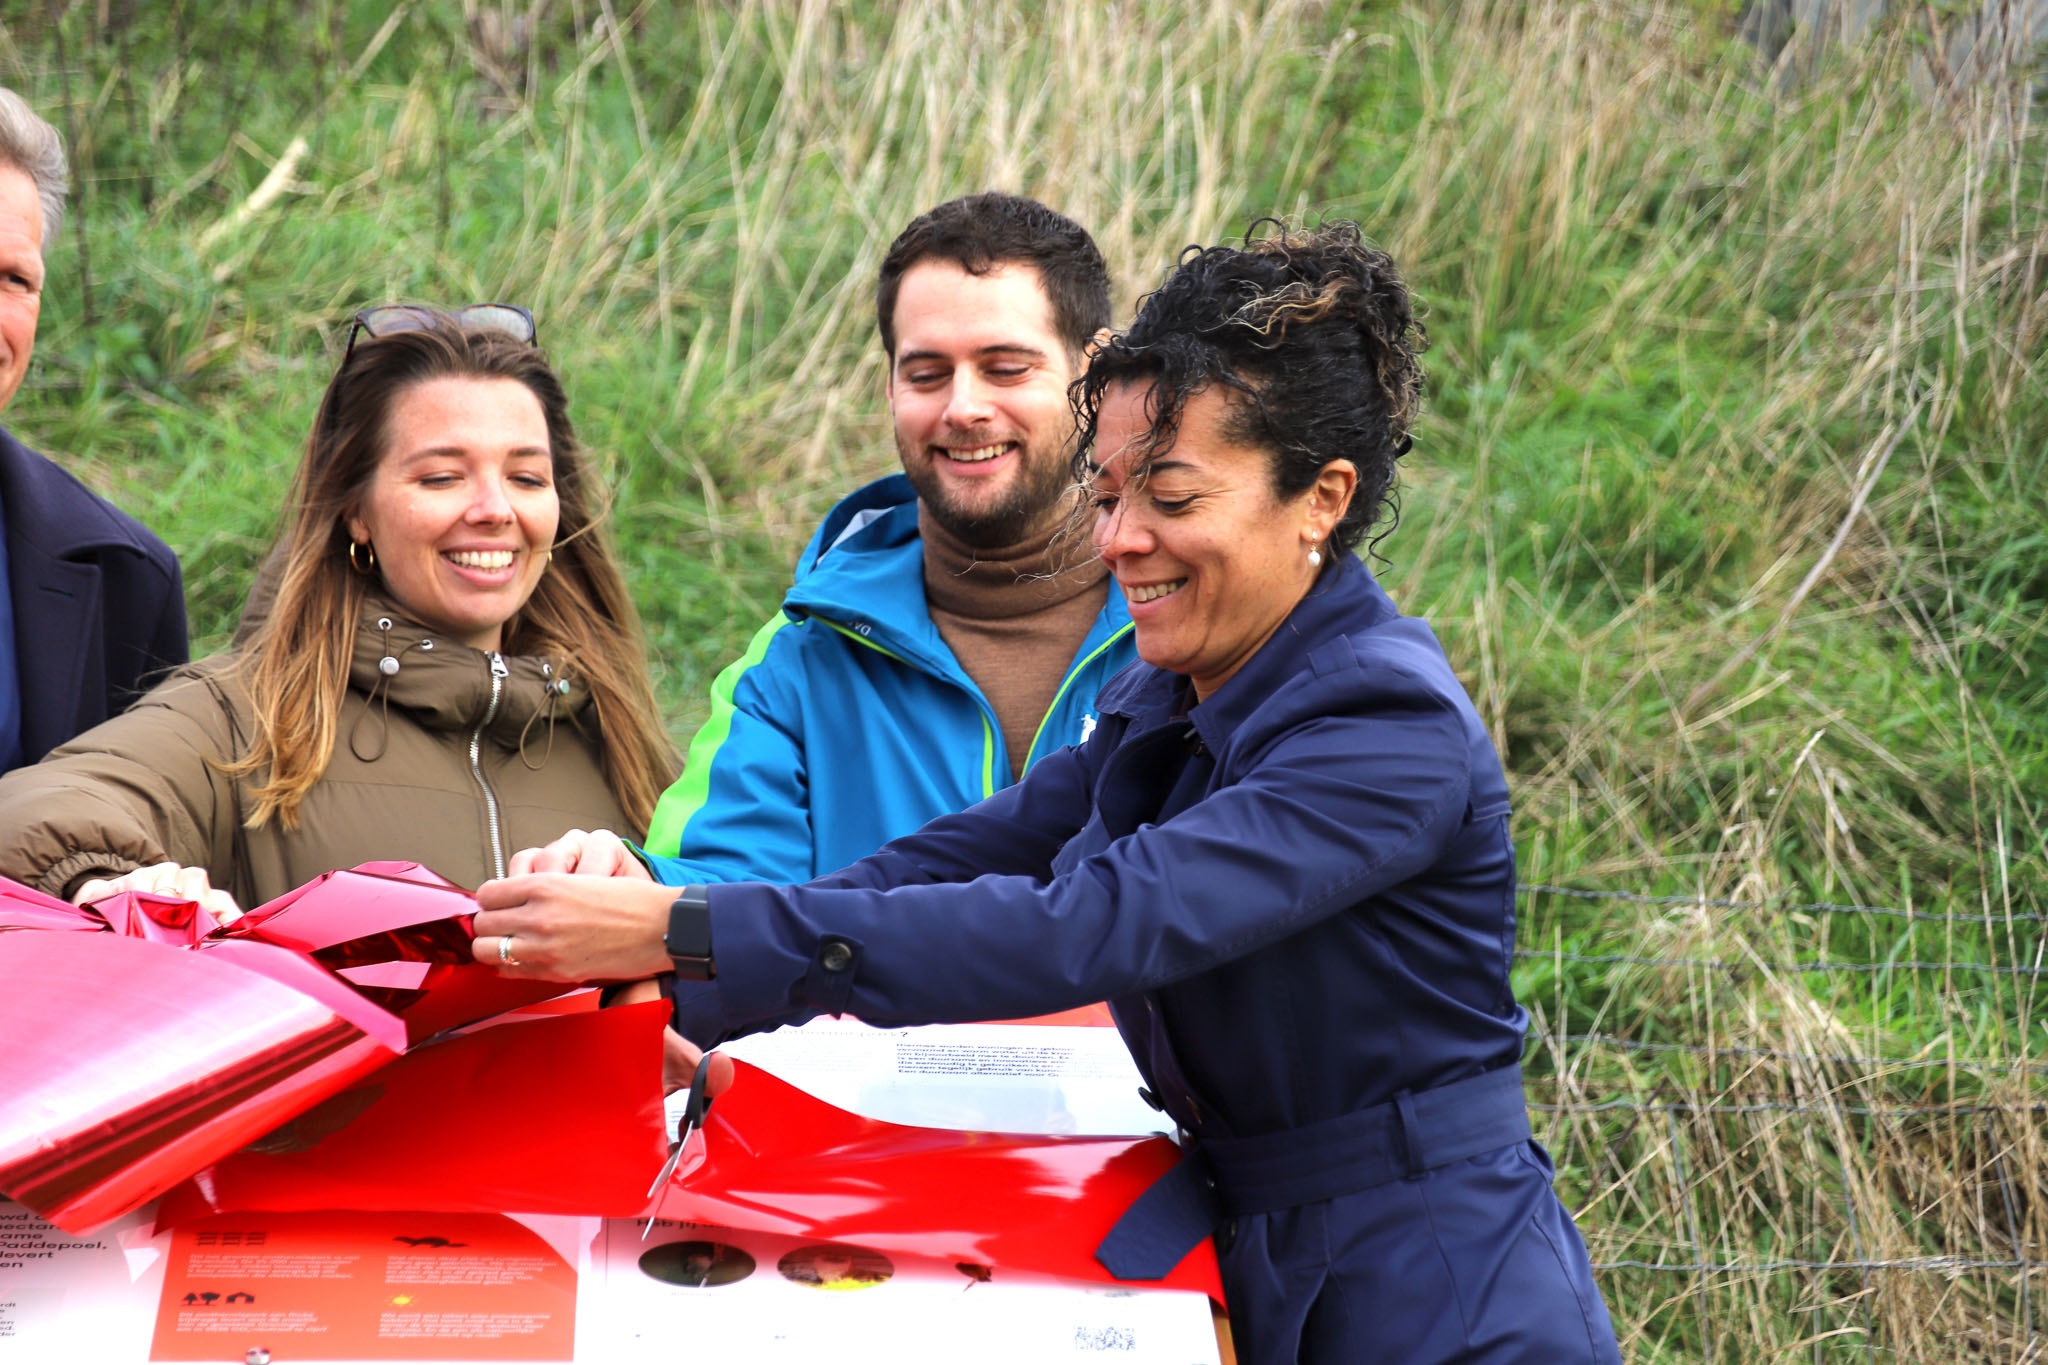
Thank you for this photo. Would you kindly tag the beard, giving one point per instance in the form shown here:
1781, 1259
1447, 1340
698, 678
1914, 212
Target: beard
1027, 504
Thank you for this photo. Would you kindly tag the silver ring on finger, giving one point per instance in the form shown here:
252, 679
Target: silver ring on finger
505, 951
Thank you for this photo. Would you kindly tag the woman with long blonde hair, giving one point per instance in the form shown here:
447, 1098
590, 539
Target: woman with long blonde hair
447, 666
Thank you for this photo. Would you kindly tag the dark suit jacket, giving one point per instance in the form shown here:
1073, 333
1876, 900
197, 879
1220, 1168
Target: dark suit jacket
99, 604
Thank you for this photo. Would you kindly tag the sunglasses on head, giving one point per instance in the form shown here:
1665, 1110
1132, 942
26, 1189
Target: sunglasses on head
388, 318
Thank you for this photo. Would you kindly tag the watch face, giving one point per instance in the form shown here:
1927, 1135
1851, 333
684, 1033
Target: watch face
688, 941
689, 926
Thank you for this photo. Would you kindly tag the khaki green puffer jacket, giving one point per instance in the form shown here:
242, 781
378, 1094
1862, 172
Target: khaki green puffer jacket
446, 756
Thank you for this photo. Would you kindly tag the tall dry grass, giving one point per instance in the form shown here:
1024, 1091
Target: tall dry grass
1769, 635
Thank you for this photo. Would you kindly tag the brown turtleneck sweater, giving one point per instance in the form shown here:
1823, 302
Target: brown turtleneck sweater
1014, 618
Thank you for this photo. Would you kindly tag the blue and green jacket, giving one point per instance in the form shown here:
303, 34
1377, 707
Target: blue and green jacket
848, 722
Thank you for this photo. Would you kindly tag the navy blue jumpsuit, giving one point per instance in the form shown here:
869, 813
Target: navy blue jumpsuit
1298, 895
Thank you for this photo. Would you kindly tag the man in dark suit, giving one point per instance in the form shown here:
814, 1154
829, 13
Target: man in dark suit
91, 604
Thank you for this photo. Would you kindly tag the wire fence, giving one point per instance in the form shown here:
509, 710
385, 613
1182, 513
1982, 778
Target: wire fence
1710, 965
1779, 907
1787, 1143
1811, 1058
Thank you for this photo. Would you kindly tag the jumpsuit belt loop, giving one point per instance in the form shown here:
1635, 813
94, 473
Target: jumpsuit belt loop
1404, 1137
1411, 1135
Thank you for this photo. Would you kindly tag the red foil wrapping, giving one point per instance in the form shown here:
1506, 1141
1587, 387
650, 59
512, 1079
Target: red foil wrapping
775, 1159
132, 1064
154, 1044
400, 935
553, 1115
264, 1062
133, 914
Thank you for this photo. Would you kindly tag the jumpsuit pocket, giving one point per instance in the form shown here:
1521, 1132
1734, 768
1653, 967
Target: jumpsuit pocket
1514, 1257
1561, 1235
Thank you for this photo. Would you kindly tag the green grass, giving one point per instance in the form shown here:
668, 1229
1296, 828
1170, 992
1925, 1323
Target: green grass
1727, 504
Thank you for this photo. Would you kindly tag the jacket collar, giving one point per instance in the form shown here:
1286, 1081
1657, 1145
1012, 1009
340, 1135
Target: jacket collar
45, 507
864, 572
1344, 600
445, 685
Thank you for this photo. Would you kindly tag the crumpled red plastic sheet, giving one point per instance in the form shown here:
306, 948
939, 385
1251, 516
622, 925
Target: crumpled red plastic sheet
130, 1064
400, 935
775, 1159
155, 1044
132, 914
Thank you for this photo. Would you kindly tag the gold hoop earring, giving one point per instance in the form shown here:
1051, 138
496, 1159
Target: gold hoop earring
355, 562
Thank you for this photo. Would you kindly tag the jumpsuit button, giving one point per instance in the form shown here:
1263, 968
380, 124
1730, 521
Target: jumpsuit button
1225, 1235
1151, 1099
835, 956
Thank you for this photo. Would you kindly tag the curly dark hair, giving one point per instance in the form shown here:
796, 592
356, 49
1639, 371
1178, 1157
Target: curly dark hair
1315, 336
981, 232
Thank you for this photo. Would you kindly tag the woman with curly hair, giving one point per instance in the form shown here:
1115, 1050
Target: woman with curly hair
1282, 855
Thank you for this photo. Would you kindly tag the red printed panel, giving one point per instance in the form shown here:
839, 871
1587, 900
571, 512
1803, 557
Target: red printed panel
365, 1286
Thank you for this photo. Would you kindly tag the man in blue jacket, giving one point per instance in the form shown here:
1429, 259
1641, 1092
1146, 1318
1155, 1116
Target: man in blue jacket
91, 604
942, 634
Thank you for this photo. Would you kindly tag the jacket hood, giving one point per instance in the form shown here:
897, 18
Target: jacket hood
866, 565
262, 596
864, 572
850, 518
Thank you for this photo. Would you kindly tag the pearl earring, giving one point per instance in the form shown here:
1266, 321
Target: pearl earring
1315, 556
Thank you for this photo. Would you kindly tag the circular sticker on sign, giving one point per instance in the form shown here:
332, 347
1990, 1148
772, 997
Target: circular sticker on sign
696, 1264
831, 1266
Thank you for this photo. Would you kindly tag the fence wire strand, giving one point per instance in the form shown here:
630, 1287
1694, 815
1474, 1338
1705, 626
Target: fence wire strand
1815, 1058
1923, 1265
1781, 907
1717, 965
1780, 1106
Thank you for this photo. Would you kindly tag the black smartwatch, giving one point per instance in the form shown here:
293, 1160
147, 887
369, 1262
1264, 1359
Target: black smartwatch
689, 935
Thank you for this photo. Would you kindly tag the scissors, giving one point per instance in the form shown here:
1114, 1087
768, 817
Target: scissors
695, 1106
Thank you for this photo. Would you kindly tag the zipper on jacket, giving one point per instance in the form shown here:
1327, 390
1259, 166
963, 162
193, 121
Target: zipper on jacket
988, 715
1031, 754
476, 767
